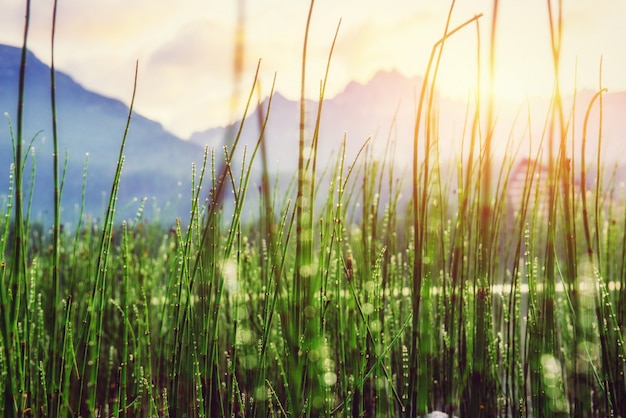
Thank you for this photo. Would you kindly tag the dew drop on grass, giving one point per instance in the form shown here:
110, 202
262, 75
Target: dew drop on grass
330, 378
229, 270
250, 362
375, 325
260, 393
244, 336
314, 355
310, 311
368, 308
307, 270
328, 364
381, 382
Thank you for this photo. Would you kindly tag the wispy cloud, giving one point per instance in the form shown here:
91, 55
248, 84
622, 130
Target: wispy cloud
185, 50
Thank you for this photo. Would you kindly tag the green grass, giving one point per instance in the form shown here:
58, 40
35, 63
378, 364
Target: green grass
363, 303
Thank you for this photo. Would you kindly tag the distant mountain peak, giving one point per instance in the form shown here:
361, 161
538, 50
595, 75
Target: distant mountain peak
383, 84
10, 57
389, 77
383, 109
10, 53
155, 160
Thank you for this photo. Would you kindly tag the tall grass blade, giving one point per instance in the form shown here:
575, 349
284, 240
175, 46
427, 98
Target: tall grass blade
419, 201
93, 324
54, 368
11, 305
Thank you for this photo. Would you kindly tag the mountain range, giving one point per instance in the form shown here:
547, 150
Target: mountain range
158, 164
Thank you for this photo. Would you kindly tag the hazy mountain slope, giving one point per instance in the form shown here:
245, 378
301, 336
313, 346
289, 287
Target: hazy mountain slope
386, 106
157, 164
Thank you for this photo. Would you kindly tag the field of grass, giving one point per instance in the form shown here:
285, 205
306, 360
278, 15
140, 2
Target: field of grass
362, 304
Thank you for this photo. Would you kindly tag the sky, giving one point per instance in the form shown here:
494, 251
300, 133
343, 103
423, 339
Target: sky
185, 51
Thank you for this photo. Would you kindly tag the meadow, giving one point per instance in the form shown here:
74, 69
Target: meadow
339, 298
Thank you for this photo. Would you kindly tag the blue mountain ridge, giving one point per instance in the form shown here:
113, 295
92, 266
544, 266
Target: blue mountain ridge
158, 165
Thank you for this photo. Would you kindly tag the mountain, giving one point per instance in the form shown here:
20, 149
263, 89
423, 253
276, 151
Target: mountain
360, 111
385, 109
157, 165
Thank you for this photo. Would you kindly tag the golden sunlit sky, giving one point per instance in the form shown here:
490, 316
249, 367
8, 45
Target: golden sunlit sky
185, 48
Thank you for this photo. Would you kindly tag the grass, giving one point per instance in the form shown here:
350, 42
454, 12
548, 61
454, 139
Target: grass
341, 298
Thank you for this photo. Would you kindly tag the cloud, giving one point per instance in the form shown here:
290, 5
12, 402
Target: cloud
185, 51
198, 47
